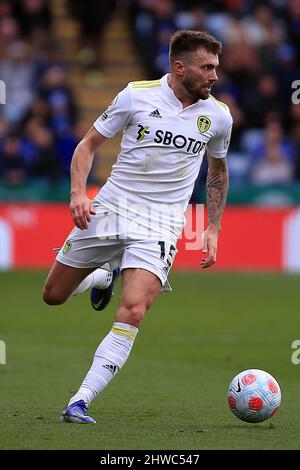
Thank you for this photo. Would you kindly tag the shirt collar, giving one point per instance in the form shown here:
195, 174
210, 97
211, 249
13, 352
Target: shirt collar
169, 92
171, 95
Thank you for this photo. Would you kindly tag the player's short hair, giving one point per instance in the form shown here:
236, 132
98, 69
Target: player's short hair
184, 41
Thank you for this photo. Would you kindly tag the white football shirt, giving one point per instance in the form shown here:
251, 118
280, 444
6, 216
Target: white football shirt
161, 152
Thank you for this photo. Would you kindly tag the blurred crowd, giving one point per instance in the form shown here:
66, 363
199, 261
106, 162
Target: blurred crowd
259, 63
38, 123
39, 127
92, 17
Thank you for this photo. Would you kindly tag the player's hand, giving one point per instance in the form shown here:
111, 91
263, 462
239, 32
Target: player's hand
209, 245
81, 208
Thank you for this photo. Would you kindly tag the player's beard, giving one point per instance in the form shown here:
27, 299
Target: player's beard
196, 92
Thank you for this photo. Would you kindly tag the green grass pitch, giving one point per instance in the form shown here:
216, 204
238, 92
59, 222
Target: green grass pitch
172, 393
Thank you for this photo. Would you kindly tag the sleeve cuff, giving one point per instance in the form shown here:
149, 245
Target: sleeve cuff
103, 131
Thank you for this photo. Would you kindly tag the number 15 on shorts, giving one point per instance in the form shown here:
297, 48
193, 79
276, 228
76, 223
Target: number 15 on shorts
167, 256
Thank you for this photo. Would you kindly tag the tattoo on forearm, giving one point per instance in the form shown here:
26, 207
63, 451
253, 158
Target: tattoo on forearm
216, 190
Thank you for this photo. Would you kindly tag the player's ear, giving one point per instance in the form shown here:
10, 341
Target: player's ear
178, 67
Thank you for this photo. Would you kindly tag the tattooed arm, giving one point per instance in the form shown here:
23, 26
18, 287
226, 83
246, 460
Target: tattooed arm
216, 189
216, 193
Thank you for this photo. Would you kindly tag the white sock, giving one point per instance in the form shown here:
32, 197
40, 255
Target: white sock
99, 278
109, 358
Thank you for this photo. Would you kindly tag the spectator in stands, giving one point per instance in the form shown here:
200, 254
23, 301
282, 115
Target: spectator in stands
4, 129
56, 92
293, 24
17, 71
13, 167
262, 28
155, 24
48, 56
66, 144
262, 99
274, 159
46, 161
193, 19
39, 151
5, 8
34, 18
93, 16
9, 32
39, 112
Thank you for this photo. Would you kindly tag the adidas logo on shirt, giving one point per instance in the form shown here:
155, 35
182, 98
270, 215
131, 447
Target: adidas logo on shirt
155, 114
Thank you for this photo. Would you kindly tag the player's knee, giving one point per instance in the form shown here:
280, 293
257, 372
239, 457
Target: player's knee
52, 296
132, 315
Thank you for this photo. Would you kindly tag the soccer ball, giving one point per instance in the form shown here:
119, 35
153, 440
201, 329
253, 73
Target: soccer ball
254, 395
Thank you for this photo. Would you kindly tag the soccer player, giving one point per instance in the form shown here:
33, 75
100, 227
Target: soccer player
135, 220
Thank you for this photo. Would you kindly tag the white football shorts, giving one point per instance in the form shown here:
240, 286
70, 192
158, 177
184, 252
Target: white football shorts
112, 240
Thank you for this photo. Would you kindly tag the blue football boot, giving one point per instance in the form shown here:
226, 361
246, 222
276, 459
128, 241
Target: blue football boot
76, 413
100, 298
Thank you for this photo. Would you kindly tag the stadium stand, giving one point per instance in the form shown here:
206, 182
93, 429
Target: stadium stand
39, 118
62, 65
55, 91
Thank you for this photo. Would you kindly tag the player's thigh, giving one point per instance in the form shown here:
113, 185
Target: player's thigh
61, 282
140, 288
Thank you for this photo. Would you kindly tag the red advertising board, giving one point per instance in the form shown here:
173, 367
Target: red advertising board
251, 238
34, 230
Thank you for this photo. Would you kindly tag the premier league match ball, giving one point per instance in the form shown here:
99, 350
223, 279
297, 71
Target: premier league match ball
254, 395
